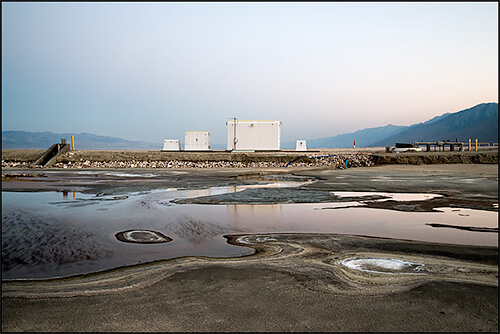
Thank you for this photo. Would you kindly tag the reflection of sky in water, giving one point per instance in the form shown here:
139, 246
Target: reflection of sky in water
46, 234
402, 197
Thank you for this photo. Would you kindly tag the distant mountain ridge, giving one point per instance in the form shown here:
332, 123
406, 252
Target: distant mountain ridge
83, 141
363, 138
480, 121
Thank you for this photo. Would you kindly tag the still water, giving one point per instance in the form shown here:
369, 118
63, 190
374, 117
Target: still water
53, 234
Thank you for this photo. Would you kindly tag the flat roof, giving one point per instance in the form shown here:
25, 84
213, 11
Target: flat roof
247, 121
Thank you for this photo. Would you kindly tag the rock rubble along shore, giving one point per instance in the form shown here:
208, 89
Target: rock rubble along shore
336, 161
331, 159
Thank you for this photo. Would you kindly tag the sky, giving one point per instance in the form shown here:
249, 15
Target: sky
152, 71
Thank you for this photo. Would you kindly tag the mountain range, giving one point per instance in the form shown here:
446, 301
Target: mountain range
479, 122
83, 141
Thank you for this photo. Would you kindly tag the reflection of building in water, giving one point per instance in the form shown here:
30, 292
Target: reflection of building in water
65, 194
232, 189
260, 216
191, 193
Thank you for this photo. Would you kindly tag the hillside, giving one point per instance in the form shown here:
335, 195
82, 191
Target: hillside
479, 122
363, 138
83, 141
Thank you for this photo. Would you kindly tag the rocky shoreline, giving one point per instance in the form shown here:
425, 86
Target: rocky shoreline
340, 161
330, 159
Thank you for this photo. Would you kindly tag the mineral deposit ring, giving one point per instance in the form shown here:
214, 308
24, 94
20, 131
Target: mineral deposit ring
142, 237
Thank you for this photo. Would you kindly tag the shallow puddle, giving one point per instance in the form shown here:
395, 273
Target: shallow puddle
50, 234
383, 265
401, 197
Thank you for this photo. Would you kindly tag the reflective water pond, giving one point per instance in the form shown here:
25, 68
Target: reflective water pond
51, 234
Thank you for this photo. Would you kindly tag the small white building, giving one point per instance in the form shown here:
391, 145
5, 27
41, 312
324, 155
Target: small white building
171, 145
301, 145
253, 135
197, 141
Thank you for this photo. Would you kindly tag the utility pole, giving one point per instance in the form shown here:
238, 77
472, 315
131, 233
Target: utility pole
235, 140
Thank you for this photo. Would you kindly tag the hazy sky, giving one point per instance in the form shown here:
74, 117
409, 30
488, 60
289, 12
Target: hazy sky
152, 71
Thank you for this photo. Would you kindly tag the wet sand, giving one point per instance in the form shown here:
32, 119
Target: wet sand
294, 282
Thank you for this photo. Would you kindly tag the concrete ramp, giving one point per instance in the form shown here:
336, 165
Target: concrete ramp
48, 158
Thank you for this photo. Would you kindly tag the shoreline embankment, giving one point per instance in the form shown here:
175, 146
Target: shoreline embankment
331, 158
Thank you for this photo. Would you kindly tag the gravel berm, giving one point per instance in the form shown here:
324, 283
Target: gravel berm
333, 158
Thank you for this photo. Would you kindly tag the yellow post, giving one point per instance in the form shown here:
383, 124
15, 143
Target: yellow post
476, 144
469, 144
72, 143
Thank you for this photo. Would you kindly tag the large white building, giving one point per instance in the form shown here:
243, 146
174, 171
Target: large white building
253, 135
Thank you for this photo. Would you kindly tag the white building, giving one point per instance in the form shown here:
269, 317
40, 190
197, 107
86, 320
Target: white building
253, 135
301, 145
197, 141
171, 145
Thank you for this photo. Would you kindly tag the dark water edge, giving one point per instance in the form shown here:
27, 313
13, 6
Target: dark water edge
49, 234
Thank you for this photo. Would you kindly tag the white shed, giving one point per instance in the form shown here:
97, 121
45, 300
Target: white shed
301, 145
171, 145
197, 141
253, 135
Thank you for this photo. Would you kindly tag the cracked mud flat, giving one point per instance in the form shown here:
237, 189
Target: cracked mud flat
293, 282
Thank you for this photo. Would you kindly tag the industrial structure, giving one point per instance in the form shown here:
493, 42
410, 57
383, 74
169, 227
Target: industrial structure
48, 158
253, 135
301, 146
171, 145
197, 141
